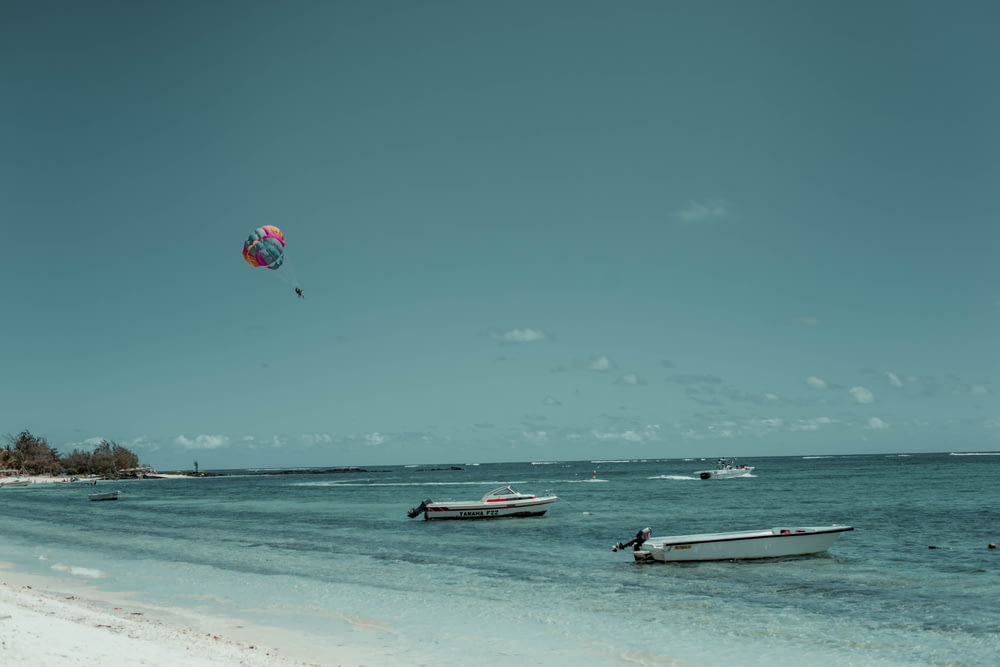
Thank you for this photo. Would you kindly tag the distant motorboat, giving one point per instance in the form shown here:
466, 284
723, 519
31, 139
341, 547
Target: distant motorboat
501, 502
15, 482
739, 545
106, 495
726, 469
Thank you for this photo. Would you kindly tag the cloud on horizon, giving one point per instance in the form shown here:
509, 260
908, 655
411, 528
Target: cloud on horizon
202, 441
650, 432
526, 335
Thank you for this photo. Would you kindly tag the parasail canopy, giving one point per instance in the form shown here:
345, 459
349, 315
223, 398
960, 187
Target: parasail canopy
265, 247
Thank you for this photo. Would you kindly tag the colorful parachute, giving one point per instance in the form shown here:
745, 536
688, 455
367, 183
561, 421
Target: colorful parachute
265, 247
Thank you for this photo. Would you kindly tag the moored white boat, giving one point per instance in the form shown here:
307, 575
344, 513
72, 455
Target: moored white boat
725, 470
15, 482
501, 502
739, 545
106, 495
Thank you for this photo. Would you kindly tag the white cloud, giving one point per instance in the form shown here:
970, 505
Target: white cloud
521, 336
772, 397
142, 443
894, 379
814, 424
317, 439
601, 364
374, 438
536, 437
805, 425
815, 382
876, 423
551, 400
702, 211
254, 442
862, 395
809, 320
88, 443
631, 379
979, 389
650, 432
202, 441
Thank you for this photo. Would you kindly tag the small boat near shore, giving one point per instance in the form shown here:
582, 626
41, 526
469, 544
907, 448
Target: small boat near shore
15, 482
739, 545
106, 495
726, 469
501, 502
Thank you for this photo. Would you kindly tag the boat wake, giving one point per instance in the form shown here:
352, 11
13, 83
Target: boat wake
674, 477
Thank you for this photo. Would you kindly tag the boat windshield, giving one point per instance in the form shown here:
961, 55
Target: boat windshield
503, 492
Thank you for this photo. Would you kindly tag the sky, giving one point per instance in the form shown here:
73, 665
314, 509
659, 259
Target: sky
525, 231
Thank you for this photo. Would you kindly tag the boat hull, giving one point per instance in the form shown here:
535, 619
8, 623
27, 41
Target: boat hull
725, 474
110, 495
742, 545
491, 510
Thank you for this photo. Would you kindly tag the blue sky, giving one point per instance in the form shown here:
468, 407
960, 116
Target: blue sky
525, 230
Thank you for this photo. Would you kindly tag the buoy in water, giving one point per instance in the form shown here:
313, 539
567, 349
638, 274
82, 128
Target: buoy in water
992, 546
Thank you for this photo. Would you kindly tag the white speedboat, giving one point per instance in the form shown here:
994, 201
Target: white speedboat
739, 545
725, 470
500, 502
15, 482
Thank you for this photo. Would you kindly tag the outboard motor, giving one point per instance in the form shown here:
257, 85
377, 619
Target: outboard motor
706, 475
419, 509
637, 541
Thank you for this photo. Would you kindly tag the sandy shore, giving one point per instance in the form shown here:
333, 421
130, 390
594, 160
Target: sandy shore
39, 626
56, 621
47, 479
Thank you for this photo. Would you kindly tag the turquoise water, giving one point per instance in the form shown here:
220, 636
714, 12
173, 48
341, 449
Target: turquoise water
335, 555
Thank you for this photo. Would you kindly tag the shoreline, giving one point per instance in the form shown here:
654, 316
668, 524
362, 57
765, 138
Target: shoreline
55, 621
19, 481
81, 481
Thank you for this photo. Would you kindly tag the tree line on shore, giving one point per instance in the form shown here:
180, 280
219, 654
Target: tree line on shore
28, 454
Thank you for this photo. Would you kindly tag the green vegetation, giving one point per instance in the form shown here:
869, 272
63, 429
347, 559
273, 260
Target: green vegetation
30, 455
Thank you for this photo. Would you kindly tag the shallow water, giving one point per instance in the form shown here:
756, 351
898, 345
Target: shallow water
335, 555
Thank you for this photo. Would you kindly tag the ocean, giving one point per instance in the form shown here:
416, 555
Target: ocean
335, 556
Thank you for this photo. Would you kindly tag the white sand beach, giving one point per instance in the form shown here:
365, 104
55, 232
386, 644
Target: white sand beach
49, 479
48, 621
41, 627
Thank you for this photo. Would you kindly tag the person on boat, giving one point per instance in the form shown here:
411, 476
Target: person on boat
298, 290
